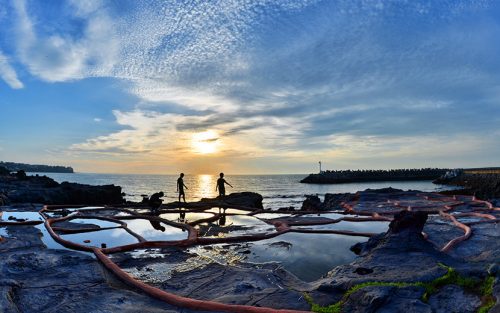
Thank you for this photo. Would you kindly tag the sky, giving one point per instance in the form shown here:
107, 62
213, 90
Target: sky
249, 87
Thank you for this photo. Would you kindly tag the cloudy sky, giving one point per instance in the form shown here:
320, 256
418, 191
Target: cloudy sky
264, 86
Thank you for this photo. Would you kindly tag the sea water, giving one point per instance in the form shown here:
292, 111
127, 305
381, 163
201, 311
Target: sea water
277, 190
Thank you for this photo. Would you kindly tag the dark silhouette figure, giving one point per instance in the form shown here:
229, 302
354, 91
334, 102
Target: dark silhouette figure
157, 225
221, 182
182, 217
222, 219
155, 201
180, 187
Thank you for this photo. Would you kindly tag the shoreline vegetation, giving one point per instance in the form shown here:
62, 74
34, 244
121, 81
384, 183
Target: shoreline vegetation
33, 168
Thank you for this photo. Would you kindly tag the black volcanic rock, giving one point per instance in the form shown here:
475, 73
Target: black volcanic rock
243, 199
42, 189
484, 186
408, 221
311, 203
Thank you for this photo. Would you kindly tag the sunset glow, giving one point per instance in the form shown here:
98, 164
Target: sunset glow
205, 142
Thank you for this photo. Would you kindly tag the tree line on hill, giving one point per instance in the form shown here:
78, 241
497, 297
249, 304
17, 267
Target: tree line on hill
14, 167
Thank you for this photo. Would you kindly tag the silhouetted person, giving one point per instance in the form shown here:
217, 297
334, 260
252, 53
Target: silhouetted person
221, 182
180, 187
155, 201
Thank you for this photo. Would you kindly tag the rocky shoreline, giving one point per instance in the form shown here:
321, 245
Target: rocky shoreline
21, 188
440, 254
484, 186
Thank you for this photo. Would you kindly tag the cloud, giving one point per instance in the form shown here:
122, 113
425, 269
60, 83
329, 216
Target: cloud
8, 74
61, 56
278, 78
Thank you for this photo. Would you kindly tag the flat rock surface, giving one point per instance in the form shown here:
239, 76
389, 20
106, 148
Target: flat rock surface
36, 279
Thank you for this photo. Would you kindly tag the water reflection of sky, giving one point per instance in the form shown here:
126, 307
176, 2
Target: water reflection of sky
361, 227
110, 237
309, 256
146, 230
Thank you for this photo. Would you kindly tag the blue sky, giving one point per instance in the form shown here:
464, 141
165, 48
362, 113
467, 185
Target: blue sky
249, 86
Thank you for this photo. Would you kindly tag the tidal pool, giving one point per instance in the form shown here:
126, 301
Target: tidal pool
360, 227
307, 256
111, 237
147, 230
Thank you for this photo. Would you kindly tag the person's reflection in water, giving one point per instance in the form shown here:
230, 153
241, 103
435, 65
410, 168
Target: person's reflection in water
155, 203
157, 225
222, 219
182, 216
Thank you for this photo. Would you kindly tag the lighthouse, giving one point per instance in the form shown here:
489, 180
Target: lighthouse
320, 171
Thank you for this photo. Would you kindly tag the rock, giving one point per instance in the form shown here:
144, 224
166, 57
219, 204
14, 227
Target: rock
42, 189
242, 199
4, 171
386, 299
452, 298
493, 269
482, 185
334, 201
363, 271
311, 203
408, 221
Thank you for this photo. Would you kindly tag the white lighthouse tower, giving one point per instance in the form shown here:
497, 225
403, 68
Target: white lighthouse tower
320, 171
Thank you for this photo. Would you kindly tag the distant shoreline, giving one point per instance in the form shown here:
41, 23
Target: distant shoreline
36, 168
358, 176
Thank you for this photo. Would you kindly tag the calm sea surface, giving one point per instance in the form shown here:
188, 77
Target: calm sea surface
277, 190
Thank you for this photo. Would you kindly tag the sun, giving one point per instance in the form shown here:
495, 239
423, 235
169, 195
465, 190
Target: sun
205, 142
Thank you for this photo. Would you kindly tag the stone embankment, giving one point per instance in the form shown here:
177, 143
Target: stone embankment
349, 176
485, 186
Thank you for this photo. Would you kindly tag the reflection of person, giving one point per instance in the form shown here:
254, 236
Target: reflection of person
221, 182
155, 201
156, 225
180, 187
222, 219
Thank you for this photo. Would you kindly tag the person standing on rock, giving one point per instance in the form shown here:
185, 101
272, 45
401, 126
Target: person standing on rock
221, 182
180, 187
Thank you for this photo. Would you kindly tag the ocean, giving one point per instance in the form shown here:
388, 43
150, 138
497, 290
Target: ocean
278, 190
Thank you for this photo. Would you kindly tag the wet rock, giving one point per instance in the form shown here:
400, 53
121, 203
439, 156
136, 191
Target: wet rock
334, 201
482, 185
363, 271
408, 221
286, 209
243, 284
387, 299
493, 269
311, 203
239, 199
36, 279
452, 298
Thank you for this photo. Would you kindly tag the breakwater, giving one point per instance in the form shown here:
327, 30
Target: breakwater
351, 176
